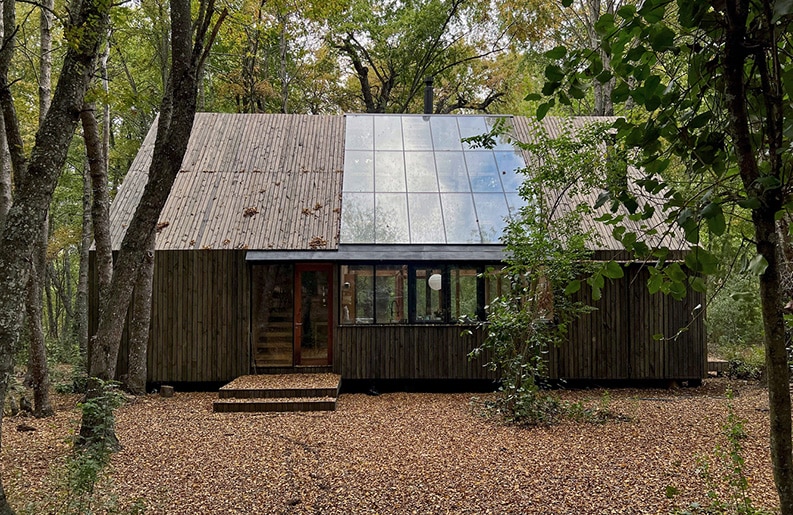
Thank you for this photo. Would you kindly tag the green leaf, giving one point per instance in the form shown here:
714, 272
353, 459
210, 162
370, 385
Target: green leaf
658, 336
715, 218
542, 110
627, 12
675, 272
750, 203
572, 287
781, 9
613, 270
567, 3
532, 97
654, 283
701, 261
698, 284
758, 264
554, 73
556, 53
662, 39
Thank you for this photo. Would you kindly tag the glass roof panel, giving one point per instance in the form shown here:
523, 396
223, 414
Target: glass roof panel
409, 179
493, 212
426, 220
420, 172
358, 134
483, 172
508, 165
390, 171
391, 218
459, 218
451, 171
388, 133
505, 129
357, 220
445, 135
416, 132
358, 171
472, 126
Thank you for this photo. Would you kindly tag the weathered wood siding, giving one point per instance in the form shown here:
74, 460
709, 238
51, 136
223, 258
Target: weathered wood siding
200, 316
616, 341
407, 352
200, 326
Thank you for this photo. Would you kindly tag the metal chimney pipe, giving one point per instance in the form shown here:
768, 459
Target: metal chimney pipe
428, 94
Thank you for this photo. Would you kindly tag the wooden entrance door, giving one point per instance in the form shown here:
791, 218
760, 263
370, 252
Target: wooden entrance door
313, 314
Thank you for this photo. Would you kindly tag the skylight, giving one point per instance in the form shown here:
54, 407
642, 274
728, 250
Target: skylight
411, 179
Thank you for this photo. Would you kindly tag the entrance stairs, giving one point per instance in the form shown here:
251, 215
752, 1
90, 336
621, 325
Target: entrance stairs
279, 393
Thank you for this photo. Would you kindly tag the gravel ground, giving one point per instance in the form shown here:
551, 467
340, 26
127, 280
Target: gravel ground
408, 453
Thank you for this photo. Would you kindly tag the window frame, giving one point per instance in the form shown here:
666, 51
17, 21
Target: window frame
411, 295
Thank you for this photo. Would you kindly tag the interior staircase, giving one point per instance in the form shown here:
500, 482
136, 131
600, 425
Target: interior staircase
280, 392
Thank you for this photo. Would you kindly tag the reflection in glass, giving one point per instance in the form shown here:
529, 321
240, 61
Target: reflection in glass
493, 212
482, 171
515, 203
416, 133
451, 171
390, 171
357, 220
390, 298
358, 171
391, 218
429, 302
505, 127
357, 294
508, 165
464, 286
387, 133
471, 126
420, 171
272, 315
445, 135
426, 220
358, 135
460, 218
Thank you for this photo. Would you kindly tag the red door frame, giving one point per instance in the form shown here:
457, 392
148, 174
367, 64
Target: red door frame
327, 268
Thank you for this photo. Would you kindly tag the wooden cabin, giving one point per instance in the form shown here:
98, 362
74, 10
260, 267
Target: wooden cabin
357, 243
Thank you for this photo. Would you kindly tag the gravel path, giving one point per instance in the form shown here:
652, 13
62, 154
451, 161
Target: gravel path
408, 453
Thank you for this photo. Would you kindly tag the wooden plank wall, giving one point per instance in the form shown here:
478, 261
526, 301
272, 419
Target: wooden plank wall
200, 325
407, 352
200, 316
616, 341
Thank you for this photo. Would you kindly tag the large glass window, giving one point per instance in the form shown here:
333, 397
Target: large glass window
434, 294
400, 160
373, 294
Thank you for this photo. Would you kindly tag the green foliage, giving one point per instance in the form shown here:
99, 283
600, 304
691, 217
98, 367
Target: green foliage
548, 264
734, 320
728, 491
81, 484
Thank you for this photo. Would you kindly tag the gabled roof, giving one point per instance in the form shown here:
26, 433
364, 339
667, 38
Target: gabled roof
273, 182
247, 181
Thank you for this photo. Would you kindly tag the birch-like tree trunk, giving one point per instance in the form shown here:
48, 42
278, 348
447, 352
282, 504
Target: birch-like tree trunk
174, 127
81, 301
38, 372
35, 188
140, 324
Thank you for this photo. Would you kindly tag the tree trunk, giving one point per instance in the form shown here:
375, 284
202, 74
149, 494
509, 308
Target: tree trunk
5, 176
100, 210
81, 302
34, 191
174, 126
38, 371
139, 327
735, 59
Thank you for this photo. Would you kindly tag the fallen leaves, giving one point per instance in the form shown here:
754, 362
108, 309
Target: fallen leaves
409, 453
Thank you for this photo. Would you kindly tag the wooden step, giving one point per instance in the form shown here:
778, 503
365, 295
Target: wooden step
280, 392
274, 405
274, 393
